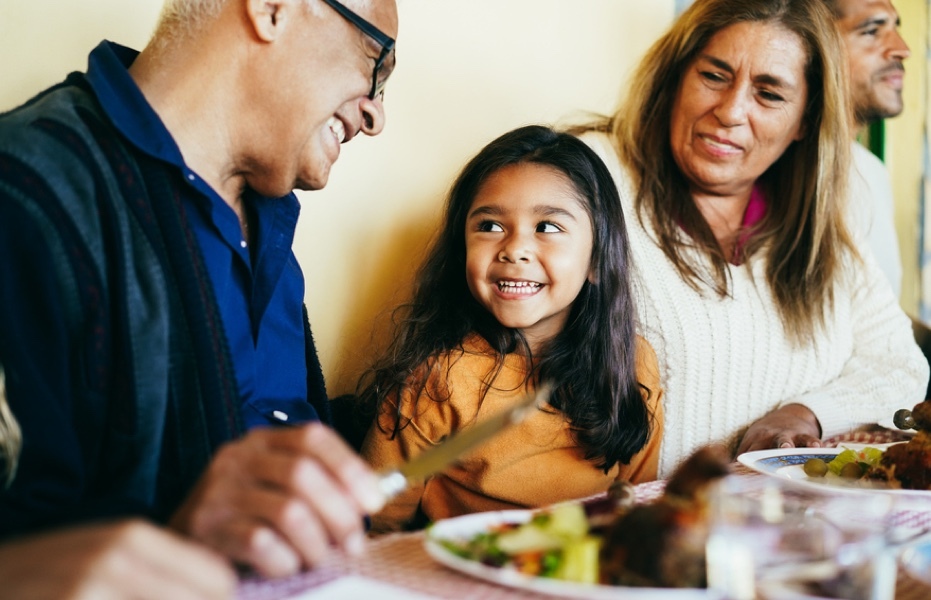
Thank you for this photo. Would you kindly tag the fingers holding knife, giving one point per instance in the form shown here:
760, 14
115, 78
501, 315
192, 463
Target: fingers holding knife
279, 498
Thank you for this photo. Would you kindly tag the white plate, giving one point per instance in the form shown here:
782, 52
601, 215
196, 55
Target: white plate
466, 527
788, 463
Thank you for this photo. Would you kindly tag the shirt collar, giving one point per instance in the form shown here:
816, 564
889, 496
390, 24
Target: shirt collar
124, 103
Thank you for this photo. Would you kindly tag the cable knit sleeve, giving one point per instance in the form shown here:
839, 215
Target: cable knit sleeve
886, 370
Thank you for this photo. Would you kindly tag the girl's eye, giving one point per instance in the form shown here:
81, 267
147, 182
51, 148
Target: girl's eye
548, 228
489, 226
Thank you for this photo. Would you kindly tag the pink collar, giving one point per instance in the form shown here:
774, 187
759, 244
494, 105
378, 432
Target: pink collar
754, 213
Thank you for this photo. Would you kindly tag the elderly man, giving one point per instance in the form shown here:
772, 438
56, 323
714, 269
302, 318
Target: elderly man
151, 309
875, 52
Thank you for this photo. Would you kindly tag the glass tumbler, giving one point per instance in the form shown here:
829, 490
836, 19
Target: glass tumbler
776, 539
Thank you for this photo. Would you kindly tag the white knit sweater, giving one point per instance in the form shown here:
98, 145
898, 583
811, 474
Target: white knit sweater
726, 362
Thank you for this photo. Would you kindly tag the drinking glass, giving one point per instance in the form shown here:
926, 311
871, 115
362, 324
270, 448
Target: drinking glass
775, 539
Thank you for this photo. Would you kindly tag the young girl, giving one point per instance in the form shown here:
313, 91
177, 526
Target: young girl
527, 282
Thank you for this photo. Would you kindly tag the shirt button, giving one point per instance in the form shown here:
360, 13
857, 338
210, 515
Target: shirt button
281, 416
191, 177
243, 244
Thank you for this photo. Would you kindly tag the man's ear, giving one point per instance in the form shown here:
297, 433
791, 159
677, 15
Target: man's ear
266, 18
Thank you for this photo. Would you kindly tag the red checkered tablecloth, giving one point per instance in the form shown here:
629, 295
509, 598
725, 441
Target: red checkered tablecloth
401, 560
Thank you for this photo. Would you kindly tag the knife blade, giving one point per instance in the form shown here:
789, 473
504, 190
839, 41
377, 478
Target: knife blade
394, 481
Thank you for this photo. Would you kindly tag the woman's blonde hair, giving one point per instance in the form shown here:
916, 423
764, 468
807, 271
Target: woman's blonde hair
11, 438
803, 231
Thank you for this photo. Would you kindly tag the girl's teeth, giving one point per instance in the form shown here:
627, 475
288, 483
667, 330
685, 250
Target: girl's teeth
519, 287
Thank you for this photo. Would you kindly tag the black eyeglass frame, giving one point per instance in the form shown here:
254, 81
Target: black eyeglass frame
385, 41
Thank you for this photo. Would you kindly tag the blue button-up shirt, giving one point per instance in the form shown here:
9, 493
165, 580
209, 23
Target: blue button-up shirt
260, 293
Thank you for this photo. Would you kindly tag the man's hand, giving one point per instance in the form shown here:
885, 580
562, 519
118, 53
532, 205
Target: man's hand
790, 426
114, 561
278, 499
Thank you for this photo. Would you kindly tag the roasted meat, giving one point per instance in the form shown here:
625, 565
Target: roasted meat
908, 465
662, 543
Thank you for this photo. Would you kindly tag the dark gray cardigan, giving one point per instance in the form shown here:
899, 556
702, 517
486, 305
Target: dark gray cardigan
117, 365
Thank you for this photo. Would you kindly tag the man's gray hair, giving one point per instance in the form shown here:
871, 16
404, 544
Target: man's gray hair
190, 11
188, 15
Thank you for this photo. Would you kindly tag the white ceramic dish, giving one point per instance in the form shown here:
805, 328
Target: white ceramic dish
788, 463
466, 527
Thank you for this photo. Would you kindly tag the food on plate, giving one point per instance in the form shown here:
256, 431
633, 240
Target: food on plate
908, 465
613, 540
815, 467
853, 464
556, 542
662, 543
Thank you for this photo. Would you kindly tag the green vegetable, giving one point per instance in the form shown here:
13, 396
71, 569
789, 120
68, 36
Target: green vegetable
815, 467
557, 538
865, 458
546, 531
580, 560
852, 470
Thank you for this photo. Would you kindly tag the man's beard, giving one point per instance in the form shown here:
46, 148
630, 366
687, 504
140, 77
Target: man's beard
872, 110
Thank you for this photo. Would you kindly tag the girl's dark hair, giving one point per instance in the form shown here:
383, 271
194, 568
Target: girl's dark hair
591, 362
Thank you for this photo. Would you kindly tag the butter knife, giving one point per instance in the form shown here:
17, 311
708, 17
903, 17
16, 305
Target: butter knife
395, 480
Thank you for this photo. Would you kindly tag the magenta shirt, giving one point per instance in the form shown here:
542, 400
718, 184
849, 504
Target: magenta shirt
756, 210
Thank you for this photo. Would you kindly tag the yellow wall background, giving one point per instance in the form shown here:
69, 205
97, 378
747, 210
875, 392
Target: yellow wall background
468, 70
904, 153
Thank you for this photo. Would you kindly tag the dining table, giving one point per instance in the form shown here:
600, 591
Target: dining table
396, 566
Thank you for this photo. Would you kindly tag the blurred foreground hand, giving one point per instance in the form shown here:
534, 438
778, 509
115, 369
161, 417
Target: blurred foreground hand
112, 561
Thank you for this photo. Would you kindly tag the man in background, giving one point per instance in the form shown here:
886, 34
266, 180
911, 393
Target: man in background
875, 51
152, 326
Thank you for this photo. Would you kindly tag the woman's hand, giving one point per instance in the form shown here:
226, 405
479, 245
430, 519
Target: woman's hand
113, 561
790, 426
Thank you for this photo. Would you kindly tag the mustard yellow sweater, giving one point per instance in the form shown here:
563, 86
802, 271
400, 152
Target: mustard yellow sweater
534, 463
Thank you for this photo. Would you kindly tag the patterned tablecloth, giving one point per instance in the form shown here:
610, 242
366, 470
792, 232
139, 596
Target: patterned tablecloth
401, 560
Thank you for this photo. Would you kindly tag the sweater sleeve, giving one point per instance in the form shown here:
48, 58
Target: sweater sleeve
37, 354
383, 449
886, 370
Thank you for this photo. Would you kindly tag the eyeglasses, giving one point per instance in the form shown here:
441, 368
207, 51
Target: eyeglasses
383, 68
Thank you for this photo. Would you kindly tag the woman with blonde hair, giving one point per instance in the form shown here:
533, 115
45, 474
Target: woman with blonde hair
731, 154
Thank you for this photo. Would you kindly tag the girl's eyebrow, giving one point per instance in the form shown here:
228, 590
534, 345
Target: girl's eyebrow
550, 211
545, 210
488, 209
764, 78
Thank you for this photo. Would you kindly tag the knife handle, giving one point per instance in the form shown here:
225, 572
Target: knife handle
392, 483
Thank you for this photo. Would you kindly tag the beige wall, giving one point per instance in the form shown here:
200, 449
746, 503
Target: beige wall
468, 70
904, 154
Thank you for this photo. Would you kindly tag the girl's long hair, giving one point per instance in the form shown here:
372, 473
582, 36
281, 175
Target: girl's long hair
803, 232
591, 362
